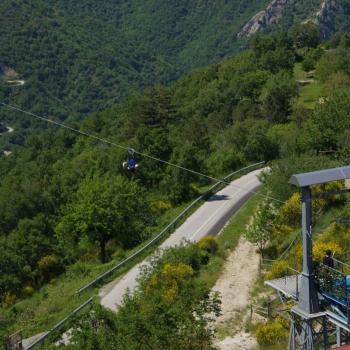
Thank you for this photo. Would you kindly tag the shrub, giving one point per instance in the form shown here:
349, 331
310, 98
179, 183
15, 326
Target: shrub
271, 333
320, 248
9, 299
79, 269
290, 211
28, 290
209, 244
49, 266
161, 206
278, 269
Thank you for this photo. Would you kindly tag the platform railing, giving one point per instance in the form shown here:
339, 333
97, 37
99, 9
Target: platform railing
293, 272
333, 286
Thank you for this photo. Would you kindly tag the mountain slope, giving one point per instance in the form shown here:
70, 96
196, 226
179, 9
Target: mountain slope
86, 56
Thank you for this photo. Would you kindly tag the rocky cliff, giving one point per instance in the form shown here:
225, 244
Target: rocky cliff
325, 16
264, 18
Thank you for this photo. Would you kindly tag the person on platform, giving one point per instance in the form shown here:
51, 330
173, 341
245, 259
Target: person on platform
328, 259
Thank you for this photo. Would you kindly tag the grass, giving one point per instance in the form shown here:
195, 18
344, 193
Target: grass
310, 94
299, 73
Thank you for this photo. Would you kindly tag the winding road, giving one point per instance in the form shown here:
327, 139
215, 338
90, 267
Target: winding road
15, 82
209, 219
9, 130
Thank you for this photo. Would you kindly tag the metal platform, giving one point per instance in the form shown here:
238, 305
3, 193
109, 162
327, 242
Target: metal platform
288, 285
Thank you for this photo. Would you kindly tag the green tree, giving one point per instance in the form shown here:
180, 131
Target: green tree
306, 35
277, 97
169, 309
259, 230
105, 208
332, 62
325, 128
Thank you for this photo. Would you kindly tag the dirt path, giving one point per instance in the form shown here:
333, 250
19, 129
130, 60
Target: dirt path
240, 272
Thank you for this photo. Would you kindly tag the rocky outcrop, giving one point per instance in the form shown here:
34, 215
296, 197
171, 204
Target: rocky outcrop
264, 18
325, 17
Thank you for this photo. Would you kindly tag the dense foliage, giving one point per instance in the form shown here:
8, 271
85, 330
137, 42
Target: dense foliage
78, 57
170, 309
65, 198
56, 183
73, 193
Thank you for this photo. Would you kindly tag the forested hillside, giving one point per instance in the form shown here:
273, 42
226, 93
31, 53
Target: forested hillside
214, 120
78, 57
241, 109
66, 201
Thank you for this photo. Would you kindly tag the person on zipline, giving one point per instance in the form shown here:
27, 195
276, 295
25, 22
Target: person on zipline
131, 164
328, 259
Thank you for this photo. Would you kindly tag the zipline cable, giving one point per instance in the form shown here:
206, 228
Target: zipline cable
97, 138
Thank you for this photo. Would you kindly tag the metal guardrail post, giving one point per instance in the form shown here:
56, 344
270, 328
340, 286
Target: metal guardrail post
59, 324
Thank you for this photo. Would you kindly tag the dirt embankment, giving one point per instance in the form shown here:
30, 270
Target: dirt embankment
240, 273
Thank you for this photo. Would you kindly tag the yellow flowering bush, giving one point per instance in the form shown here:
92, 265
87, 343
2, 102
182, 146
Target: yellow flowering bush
9, 299
272, 332
209, 244
278, 269
28, 290
320, 248
169, 280
161, 206
290, 211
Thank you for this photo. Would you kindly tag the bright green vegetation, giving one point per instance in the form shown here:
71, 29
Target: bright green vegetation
54, 301
82, 57
171, 309
56, 185
62, 195
310, 95
299, 72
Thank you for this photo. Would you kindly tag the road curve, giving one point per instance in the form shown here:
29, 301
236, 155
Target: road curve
209, 219
15, 82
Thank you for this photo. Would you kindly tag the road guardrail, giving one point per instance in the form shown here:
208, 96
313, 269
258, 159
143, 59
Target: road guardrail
59, 324
167, 229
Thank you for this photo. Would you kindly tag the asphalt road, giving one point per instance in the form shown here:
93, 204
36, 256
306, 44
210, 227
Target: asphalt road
209, 219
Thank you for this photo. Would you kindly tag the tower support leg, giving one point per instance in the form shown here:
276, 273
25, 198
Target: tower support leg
325, 333
338, 333
292, 333
307, 336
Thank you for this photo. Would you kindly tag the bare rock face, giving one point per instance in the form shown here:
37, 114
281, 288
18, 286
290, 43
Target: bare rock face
325, 17
264, 18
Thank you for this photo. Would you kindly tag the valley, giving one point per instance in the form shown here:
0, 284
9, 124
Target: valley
115, 116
